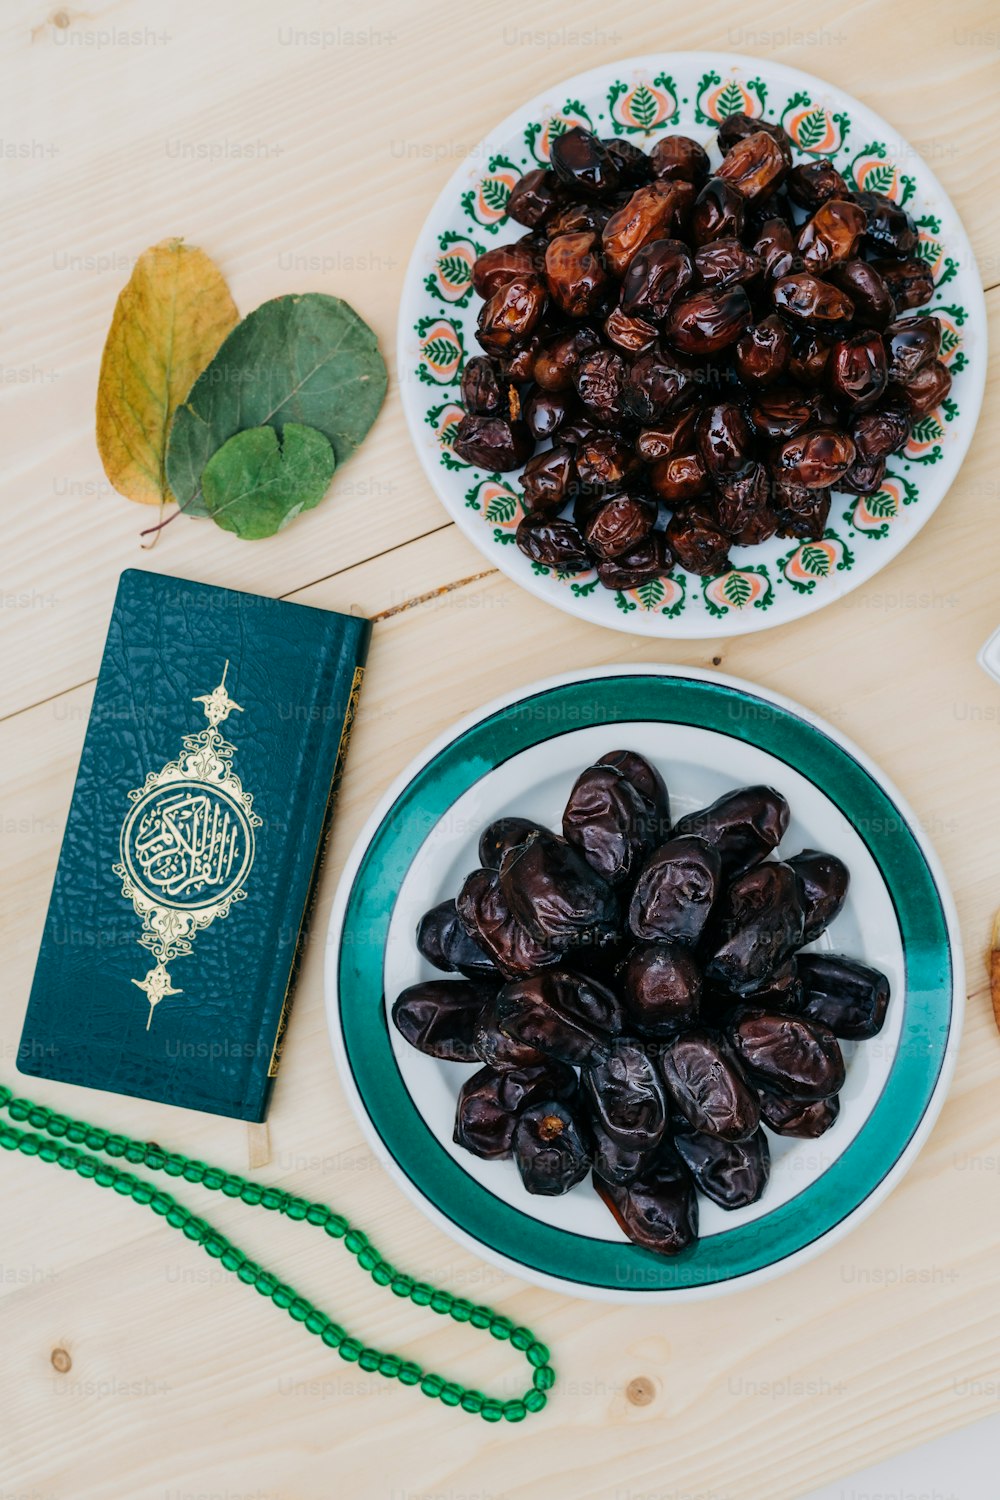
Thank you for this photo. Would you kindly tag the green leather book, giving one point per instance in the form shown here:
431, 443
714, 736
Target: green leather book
216, 738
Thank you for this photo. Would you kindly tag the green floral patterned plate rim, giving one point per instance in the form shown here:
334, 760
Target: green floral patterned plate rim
706, 732
641, 98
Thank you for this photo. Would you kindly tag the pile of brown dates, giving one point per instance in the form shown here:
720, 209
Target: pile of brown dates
685, 358
632, 992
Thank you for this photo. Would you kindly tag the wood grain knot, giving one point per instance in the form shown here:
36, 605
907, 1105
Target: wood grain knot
640, 1391
61, 1361
61, 19
716, 661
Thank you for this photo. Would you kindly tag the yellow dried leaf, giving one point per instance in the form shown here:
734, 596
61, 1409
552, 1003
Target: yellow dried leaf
169, 320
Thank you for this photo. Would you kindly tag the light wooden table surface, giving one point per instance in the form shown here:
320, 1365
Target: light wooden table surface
301, 145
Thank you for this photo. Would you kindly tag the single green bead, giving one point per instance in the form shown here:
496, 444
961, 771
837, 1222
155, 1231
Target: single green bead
160, 1204
232, 1258
355, 1241
154, 1156
143, 1192
115, 1145
297, 1209
480, 1317
410, 1373
441, 1302
177, 1216
451, 1393
283, 1295
300, 1309
514, 1411
316, 1321
29, 1145
67, 1157
350, 1349
461, 1309
48, 1151
248, 1272
273, 1198
194, 1229
19, 1109
381, 1274
318, 1213
369, 1359
8, 1139
266, 1283
174, 1165
501, 1328
473, 1402
421, 1293
492, 1410
58, 1125
369, 1258
215, 1246
251, 1192
538, 1355
105, 1176
336, 1226
333, 1335
5, 1096
401, 1285
88, 1168
232, 1186
38, 1117
194, 1171
544, 1378
522, 1338
77, 1132
432, 1385
123, 1185
390, 1365
535, 1400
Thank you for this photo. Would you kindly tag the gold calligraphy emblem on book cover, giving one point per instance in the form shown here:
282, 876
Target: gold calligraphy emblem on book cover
187, 845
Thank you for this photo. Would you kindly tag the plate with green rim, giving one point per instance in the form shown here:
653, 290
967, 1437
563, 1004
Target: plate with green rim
640, 100
706, 733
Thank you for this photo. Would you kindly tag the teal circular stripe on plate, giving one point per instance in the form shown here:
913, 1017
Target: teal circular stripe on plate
926, 1019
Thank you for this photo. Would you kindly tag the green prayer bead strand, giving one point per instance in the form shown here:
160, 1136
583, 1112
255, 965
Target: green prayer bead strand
74, 1134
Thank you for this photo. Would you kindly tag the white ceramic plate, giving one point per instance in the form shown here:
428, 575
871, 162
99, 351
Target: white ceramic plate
707, 734
641, 98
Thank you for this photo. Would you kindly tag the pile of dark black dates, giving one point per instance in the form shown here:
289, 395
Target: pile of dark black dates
704, 357
634, 994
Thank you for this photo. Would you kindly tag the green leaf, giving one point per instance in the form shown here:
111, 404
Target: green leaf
812, 128
304, 358
643, 106
501, 508
730, 101
879, 179
254, 485
881, 504
737, 589
815, 560
495, 194
440, 352
455, 269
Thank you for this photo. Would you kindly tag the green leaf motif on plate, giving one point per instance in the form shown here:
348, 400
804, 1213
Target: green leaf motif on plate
812, 128
308, 359
730, 100
644, 106
255, 484
737, 589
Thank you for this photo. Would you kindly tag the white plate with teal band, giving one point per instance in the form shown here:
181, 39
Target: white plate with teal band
707, 733
641, 99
